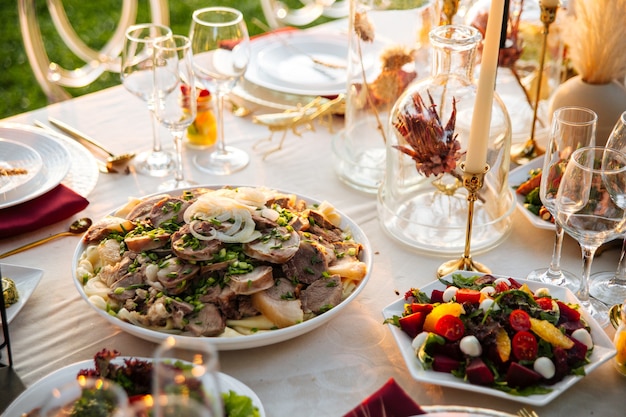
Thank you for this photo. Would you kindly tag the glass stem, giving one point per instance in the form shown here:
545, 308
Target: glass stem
221, 145
156, 140
179, 175
554, 270
620, 274
583, 291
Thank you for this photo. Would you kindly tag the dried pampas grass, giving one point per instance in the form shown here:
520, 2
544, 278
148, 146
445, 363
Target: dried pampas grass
595, 34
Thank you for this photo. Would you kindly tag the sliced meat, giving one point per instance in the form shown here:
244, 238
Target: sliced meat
283, 289
149, 240
207, 322
263, 223
142, 210
278, 245
308, 264
175, 274
234, 306
259, 279
322, 295
320, 226
168, 209
179, 310
106, 226
186, 246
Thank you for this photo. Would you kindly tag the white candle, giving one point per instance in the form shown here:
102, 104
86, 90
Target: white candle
476, 158
549, 3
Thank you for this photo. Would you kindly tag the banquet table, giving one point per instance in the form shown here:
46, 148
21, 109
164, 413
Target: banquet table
327, 371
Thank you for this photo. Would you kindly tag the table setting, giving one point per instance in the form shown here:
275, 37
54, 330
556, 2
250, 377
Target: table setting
271, 281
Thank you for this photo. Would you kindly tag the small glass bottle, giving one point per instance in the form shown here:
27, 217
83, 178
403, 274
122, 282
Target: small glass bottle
202, 132
620, 342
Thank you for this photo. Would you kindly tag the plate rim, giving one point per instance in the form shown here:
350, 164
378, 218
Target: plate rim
32, 279
266, 338
38, 162
16, 407
603, 350
435, 409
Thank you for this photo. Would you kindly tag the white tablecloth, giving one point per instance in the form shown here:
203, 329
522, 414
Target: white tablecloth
325, 372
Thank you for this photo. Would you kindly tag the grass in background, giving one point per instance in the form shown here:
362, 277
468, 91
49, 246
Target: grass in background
94, 21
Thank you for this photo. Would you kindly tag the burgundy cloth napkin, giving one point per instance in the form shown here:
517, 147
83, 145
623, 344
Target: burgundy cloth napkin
389, 401
55, 205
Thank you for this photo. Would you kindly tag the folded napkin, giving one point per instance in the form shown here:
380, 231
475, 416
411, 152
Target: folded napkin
55, 205
389, 401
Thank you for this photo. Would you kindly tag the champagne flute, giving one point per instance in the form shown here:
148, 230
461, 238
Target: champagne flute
175, 97
186, 373
137, 77
610, 287
572, 128
586, 209
221, 48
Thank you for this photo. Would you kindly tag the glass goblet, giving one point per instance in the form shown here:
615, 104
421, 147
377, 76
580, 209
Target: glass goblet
221, 48
610, 287
572, 128
175, 97
186, 372
137, 78
588, 212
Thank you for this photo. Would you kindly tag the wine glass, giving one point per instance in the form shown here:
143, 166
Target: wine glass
175, 97
572, 128
186, 373
221, 48
610, 287
137, 77
589, 210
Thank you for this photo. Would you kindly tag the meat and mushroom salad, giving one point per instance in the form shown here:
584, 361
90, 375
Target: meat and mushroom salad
220, 262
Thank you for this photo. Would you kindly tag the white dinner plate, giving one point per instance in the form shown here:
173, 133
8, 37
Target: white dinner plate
258, 339
461, 411
518, 176
284, 61
26, 280
15, 155
602, 352
34, 395
56, 163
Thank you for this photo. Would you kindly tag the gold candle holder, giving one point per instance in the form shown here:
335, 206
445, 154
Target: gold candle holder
449, 9
473, 182
530, 149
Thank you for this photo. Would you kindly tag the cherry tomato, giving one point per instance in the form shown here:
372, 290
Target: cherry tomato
450, 327
519, 320
502, 286
524, 346
467, 295
545, 303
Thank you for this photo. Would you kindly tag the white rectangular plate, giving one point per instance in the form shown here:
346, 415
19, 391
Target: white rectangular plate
26, 280
517, 177
602, 352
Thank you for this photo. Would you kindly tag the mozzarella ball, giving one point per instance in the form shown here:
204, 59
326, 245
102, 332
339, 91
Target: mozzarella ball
504, 280
449, 293
583, 336
471, 346
542, 292
419, 340
488, 303
544, 367
488, 290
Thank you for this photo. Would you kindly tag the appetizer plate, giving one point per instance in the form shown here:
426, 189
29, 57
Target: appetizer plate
35, 395
602, 352
15, 155
517, 177
53, 152
258, 339
26, 280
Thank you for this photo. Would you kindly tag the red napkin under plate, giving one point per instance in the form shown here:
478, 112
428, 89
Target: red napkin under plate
389, 401
55, 205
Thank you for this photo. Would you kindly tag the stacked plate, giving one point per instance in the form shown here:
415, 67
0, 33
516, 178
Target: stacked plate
33, 162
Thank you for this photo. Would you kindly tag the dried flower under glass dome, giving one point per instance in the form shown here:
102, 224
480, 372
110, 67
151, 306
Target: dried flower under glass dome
434, 147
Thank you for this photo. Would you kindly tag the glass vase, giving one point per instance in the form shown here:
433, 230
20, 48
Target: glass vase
388, 49
422, 202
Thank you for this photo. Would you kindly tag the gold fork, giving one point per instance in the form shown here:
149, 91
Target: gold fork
524, 412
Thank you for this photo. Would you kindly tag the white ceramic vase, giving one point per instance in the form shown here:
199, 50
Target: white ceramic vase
607, 100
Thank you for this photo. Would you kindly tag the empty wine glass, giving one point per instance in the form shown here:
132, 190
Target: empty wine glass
175, 97
221, 48
572, 128
186, 372
137, 77
586, 209
610, 287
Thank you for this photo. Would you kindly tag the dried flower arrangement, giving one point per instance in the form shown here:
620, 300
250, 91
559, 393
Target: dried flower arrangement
596, 37
434, 148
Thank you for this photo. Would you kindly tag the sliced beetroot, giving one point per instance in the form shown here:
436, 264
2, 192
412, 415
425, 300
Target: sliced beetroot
520, 376
479, 373
443, 363
576, 354
436, 296
571, 326
413, 324
567, 312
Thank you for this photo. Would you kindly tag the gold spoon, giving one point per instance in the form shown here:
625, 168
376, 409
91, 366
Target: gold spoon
77, 227
115, 163
614, 315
